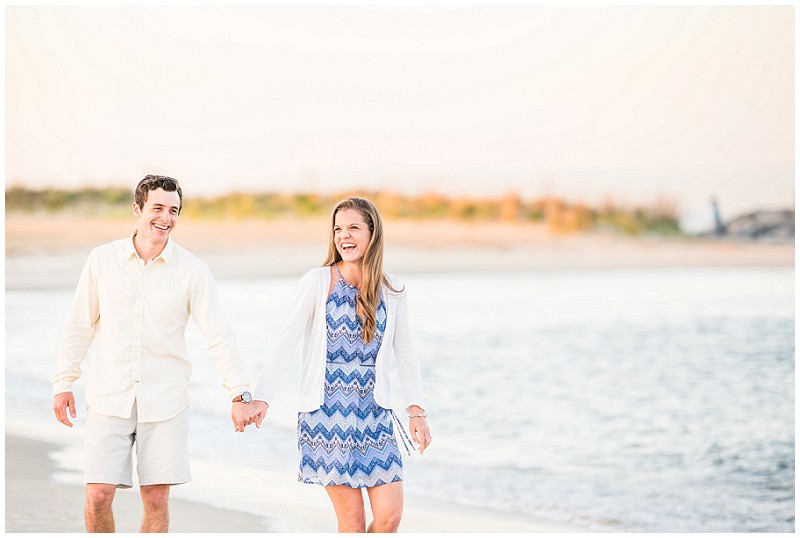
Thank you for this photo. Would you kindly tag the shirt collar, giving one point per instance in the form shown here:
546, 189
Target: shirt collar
130, 250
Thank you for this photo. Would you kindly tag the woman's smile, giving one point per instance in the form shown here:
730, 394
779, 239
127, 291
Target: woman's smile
351, 234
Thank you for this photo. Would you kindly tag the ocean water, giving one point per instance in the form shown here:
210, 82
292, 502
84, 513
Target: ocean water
649, 400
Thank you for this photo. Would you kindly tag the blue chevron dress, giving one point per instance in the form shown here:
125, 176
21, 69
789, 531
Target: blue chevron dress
349, 440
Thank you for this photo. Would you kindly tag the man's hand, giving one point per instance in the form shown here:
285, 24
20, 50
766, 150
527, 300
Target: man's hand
61, 402
240, 415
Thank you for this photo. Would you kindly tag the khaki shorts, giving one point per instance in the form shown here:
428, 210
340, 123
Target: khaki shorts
162, 450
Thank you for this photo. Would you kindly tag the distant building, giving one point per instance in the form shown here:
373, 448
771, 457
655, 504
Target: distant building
775, 226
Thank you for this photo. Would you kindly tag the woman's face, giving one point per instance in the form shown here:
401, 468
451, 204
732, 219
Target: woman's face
351, 234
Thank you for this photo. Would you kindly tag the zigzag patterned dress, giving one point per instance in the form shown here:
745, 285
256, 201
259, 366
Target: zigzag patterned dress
349, 440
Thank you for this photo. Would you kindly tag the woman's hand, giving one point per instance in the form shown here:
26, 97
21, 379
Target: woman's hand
259, 411
418, 426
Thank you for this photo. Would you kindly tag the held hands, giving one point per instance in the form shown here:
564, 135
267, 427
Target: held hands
61, 402
418, 426
244, 414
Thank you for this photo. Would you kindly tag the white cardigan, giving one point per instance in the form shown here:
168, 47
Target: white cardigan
307, 318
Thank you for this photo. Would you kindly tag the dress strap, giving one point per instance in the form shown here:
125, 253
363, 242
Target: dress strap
336, 266
403, 432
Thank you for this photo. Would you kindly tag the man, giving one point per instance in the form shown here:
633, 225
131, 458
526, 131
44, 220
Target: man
132, 304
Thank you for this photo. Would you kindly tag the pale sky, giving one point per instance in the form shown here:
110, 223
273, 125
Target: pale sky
629, 103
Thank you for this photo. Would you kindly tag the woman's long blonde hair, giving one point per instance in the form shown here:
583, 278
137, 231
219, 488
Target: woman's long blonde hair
372, 276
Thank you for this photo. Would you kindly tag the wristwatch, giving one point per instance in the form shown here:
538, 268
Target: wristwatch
244, 397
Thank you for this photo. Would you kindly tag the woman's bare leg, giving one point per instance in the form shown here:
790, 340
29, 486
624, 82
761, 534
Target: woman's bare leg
387, 507
349, 506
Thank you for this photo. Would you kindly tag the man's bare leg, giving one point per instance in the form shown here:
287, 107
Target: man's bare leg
155, 500
98, 514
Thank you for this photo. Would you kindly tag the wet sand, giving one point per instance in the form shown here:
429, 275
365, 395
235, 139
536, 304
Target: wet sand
37, 502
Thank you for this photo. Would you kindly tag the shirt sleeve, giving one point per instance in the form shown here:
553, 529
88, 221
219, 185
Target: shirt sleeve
288, 337
206, 311
84, 313
406, 356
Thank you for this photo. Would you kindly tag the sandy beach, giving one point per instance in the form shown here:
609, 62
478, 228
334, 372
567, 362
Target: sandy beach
49, 250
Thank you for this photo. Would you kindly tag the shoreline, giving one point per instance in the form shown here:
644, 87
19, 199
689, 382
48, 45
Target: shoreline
33, 490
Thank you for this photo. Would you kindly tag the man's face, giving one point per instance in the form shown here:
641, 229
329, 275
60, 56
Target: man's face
158, 216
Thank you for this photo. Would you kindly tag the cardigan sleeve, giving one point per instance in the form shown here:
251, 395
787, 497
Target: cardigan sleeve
405, 355
284, 347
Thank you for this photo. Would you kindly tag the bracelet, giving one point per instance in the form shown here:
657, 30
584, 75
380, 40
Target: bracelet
418, 415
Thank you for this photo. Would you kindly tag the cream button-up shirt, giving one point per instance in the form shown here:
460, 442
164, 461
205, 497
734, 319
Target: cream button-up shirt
133, 315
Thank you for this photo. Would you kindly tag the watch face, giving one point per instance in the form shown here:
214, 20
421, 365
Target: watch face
247, 397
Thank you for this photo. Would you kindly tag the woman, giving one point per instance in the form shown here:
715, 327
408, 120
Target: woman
353, 318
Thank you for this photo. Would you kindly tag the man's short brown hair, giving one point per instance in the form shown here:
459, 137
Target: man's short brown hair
151, 183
